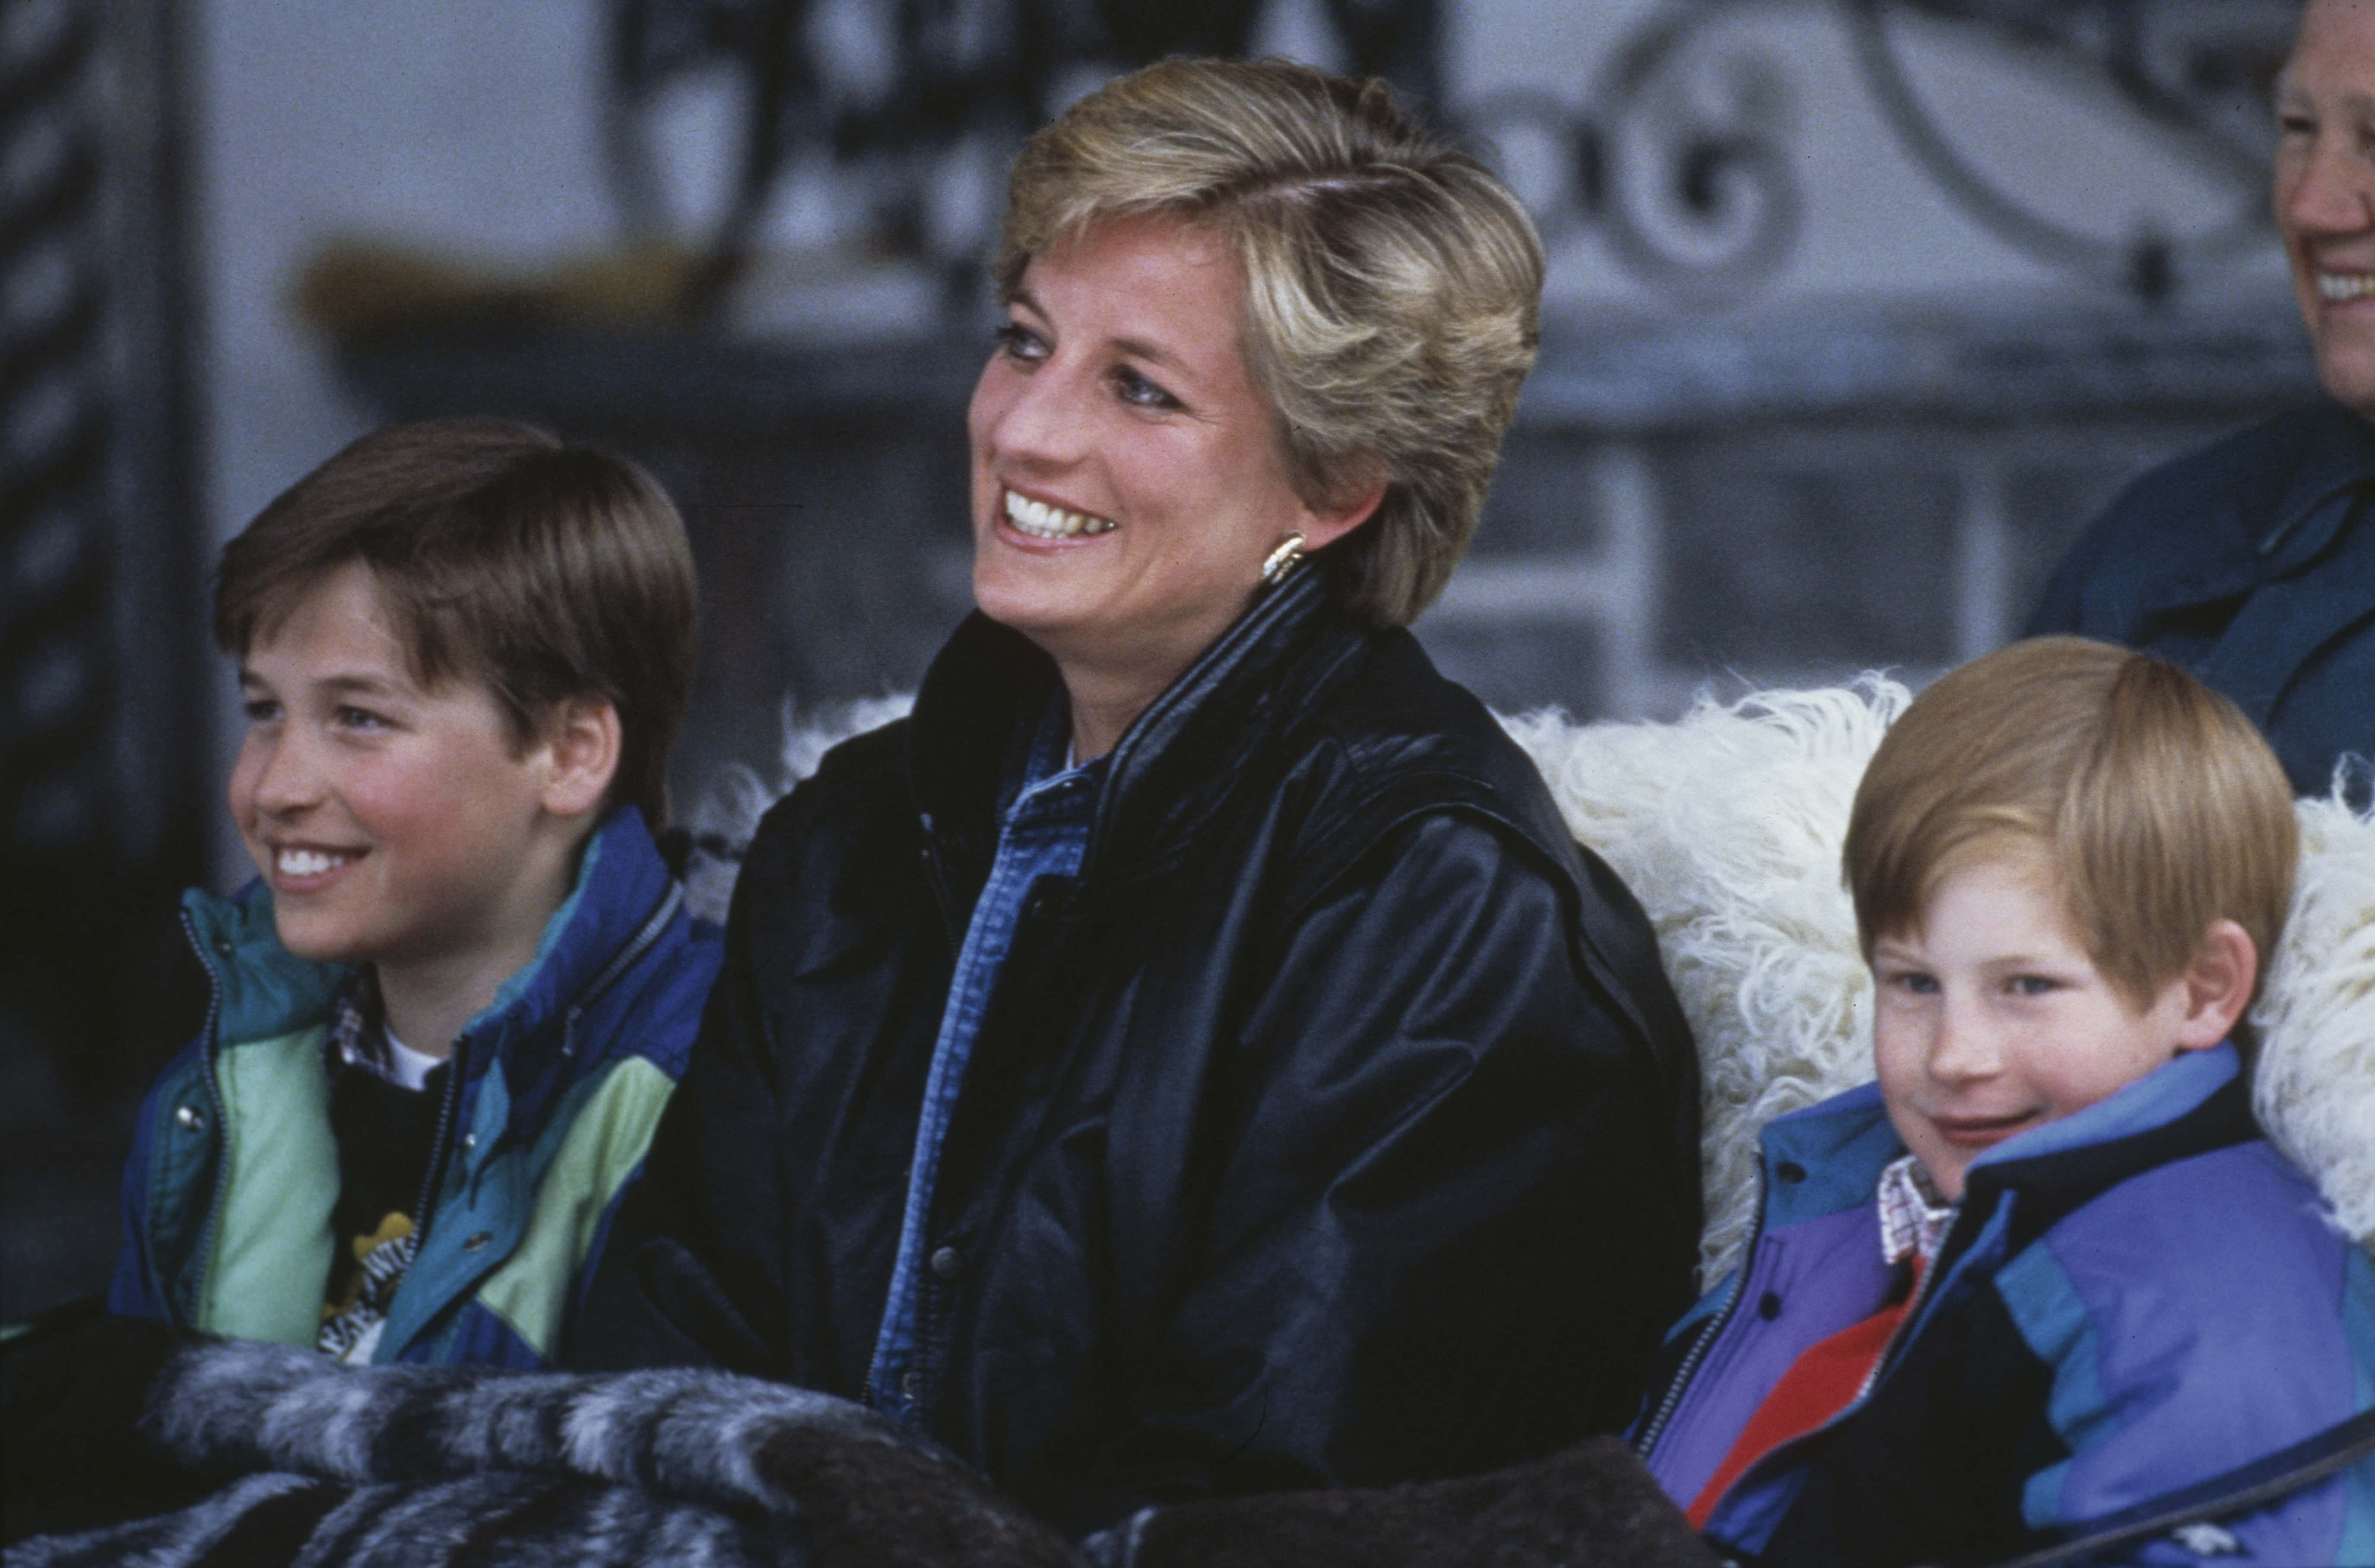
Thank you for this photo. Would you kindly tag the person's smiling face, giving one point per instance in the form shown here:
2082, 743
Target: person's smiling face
2325, 189
1128, 476
394, 823
1992, 1019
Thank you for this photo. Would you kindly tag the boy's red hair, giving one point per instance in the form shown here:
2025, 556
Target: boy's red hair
2157, 804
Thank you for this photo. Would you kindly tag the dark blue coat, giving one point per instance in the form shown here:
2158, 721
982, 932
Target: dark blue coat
2250, 563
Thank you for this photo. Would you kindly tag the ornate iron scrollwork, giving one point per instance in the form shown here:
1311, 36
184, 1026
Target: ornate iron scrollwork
942, 71
1681, 157
2191, 93
1696, 196
936, 71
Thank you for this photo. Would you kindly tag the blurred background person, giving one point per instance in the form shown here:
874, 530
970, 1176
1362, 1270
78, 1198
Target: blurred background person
2251, 563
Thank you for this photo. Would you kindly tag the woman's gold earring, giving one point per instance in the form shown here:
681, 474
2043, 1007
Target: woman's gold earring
1282, 561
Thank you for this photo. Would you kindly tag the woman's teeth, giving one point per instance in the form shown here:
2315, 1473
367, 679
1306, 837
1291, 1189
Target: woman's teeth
2339, 288
306, 862
1042, 521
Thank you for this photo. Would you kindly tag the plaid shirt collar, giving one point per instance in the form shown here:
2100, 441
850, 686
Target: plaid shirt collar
1913, 1217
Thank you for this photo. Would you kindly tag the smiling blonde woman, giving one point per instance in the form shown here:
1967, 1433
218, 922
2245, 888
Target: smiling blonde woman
1189, 1056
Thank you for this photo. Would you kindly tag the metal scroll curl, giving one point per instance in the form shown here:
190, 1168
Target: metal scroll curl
2189, 91
1696, 193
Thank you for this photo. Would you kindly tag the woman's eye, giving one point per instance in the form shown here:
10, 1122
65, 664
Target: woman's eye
1137, 391
1019, 343
261, 709
2295, 125
1912, 982
2032, 984
360, 718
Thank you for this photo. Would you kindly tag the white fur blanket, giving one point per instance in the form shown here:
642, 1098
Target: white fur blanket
1727, 825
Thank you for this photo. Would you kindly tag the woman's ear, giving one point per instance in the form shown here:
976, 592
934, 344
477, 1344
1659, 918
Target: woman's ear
1324, 525
580, 746
2217, 985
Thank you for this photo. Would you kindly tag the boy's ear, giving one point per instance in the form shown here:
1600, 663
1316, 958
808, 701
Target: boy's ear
2217, 985
581, 746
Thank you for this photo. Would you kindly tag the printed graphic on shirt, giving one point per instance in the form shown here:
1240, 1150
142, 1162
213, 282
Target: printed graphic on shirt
350, 1328
386, 1130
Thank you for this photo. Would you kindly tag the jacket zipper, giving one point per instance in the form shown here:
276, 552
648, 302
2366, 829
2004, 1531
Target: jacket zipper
1648, 1442
204, 1257
456, 1064
1905, 1322
1931, 1273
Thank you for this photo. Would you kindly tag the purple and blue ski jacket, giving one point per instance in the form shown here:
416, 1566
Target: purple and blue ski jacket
2133, 1299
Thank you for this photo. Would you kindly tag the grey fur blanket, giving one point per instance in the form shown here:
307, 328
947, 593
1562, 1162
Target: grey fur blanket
326, 1464
426, 1467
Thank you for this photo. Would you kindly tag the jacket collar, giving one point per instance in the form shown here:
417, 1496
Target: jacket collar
1826, 1157
623, 899
262, 990
1174, 763
2200, 1102
1829, 1157
2339, 457
2323, 467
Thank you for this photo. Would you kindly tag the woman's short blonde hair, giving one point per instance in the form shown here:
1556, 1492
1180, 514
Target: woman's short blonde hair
1393, 284
2156, 804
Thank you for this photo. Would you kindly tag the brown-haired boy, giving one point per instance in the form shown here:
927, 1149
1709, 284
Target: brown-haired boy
448, 1011
2046, 1270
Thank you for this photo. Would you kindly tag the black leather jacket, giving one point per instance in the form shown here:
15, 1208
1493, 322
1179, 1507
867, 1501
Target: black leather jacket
1334, 1125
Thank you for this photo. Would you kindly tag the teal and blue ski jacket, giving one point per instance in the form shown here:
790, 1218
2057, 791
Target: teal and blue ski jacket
555, 1090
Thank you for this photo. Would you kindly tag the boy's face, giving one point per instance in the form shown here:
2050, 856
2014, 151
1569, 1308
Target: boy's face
1991, 1020
394, 823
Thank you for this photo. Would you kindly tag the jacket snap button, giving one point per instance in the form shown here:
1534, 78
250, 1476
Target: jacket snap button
945, 1263
469, 1141
477, 1242
191, 1118
1768, 1306
909, 1386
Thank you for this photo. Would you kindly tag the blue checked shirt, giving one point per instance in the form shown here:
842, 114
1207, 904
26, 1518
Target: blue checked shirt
1043, 832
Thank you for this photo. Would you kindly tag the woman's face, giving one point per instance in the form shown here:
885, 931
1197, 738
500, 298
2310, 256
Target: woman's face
1127, 477
2325, 190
